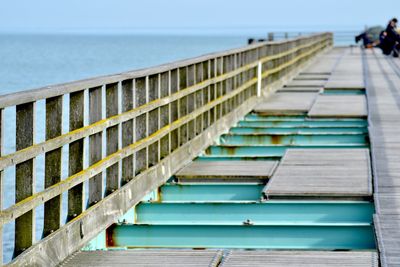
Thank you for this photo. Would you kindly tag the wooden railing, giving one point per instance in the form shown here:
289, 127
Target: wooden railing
142, 127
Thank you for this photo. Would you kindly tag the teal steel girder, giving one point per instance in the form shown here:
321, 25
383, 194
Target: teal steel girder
294, 213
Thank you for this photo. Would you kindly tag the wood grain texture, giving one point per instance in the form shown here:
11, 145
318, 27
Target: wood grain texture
285, 103
322, 172
25, 177
75, 156
148, 258
383, 89
346, 106
258, 258
95, 144
52, 208
306, 83
227, 170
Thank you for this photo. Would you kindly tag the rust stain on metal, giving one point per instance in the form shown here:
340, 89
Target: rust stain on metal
276, 139
110, 235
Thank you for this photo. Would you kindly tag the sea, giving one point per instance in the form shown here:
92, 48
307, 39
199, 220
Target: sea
29, 61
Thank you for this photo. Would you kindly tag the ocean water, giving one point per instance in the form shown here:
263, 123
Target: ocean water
32, 61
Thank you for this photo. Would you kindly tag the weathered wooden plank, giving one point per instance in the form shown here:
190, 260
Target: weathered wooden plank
141, 161
284, 103
237, 258
382, 85
112, 146
322, 172
95, 144
127, 130
300, 89
24, 177
52, 208
348, 73
307, 76
388, 237
153, 118
306, 83
339, 106
148, 258
75, 162
227, 170
165, 113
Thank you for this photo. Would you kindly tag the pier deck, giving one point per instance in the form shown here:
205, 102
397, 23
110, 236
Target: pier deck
322, 172
383, 87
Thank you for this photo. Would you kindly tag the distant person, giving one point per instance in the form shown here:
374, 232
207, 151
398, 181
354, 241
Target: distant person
367, 42
370, 37
390, 39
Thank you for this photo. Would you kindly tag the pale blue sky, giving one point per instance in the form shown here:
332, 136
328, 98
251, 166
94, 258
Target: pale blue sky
189, 16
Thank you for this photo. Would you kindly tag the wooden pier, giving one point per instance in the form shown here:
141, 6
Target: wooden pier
291, 114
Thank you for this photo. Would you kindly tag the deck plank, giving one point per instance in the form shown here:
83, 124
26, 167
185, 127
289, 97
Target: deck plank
240, 258
344, 106
348, 73
383, 89
322, 172
301, 89
227, 170
148, 258
287, 103
306, 83
388, 237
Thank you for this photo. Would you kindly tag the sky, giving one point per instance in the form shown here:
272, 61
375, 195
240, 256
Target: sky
190, 16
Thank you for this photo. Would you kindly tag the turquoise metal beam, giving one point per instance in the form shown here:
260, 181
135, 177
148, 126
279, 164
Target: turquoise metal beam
306, 139
211, 192
344, 92
289, 124
294, 213
298, 130
250, 237
265, 150
293, 118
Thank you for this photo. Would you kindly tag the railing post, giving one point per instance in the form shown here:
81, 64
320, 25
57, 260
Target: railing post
52, 208
259, 78
112, 172
75, 157
164, 91
24, 177
95, 144
127, 130
152, 118
270, 36
140, 124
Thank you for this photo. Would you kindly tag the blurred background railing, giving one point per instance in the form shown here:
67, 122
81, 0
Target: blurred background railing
340, 38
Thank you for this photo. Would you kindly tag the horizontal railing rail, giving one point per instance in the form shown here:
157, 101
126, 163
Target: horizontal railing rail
134, 129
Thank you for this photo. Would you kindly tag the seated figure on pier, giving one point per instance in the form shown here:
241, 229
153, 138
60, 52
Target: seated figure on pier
390, 39
369, 37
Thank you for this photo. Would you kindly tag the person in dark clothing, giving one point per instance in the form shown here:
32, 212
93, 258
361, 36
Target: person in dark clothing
367, 42
390, 39
370, 37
